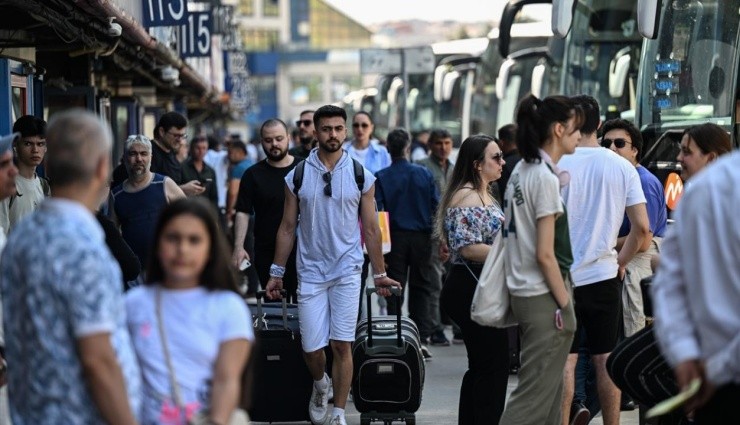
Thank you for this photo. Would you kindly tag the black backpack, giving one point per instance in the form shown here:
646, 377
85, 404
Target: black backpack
300, 169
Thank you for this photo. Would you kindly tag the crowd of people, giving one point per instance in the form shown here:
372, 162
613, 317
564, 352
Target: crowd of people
123, 296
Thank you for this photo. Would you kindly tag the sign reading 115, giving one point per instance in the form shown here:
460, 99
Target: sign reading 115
194, 37
162, 13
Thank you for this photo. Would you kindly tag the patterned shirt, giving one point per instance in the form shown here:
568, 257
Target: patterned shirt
60, 283
471, 225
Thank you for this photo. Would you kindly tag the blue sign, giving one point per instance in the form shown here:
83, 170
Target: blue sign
164, 13
194, 37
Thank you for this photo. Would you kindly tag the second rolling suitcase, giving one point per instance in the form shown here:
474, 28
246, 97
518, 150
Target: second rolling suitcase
282, 384
388, 367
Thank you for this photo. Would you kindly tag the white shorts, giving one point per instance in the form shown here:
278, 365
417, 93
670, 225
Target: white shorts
328, 311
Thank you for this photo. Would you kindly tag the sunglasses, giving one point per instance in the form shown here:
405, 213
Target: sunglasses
618, 143
327, 179
363, 125
498, 157
304, 123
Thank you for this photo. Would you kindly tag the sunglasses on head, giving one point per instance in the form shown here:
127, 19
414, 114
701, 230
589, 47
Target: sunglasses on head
305, 123
618, 143
327, 179
360, 124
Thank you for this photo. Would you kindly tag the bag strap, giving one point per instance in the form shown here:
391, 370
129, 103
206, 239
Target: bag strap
163, 338
359, 175
298, 176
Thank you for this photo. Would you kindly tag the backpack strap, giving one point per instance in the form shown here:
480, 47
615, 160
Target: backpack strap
45, 186
298, 176
359, 175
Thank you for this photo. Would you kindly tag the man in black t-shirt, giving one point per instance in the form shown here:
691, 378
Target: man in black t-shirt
262, 194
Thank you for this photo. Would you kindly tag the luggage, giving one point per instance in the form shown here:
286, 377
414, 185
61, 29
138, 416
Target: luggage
388, 367
282, 385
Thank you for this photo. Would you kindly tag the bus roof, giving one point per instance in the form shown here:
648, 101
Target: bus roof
469, 46
529, 29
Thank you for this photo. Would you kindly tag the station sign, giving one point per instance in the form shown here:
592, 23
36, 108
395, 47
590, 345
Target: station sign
223, 18
237, 82
419, 60
381, 61
412, 60
164, 13
194, 37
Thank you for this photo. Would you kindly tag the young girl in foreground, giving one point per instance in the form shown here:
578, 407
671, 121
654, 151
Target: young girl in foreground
538, 257
190, 293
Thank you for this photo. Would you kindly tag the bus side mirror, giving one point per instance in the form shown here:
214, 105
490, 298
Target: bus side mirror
538, 80
618, 71
503, 78
648, 15
562, 17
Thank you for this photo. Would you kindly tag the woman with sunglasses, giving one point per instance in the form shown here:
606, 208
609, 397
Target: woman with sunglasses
468, 218
538, 257
363, 147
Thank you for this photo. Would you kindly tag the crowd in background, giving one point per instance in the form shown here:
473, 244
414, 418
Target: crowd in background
186, 228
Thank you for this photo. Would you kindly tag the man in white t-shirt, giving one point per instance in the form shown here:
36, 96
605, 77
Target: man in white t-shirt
31, 189
602, 187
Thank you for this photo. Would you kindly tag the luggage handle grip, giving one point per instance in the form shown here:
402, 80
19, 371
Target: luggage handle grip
283, 296
395, 291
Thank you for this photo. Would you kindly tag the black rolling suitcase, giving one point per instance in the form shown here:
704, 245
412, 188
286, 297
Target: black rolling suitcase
388, 368
282, 385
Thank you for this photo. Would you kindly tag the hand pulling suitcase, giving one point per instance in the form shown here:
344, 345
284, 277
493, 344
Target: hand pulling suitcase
282, 384
388, 367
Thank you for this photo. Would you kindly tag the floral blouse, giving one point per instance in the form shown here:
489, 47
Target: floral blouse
471, 225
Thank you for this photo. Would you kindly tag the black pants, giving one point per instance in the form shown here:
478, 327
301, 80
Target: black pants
410, 261
483, 390
721, 408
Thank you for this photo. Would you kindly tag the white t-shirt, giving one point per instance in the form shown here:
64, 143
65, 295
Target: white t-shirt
196, 322
219, 161
358, 154
30, 194
602, 184
533, 192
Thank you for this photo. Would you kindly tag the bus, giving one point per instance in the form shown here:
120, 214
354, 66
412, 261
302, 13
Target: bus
491, 108
600, 53
689, 74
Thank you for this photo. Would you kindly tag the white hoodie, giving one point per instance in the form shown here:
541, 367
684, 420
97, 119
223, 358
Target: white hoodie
328, 234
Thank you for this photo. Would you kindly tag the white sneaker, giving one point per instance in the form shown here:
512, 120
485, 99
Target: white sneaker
426, 353
338, 420
318, 407
330, 398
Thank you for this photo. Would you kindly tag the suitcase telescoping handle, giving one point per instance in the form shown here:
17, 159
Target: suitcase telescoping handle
396, 292
283, 296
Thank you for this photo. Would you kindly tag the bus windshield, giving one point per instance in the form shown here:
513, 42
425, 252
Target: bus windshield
690, 69
602, 32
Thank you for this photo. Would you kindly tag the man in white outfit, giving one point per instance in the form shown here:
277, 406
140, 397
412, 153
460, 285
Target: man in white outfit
603, 186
